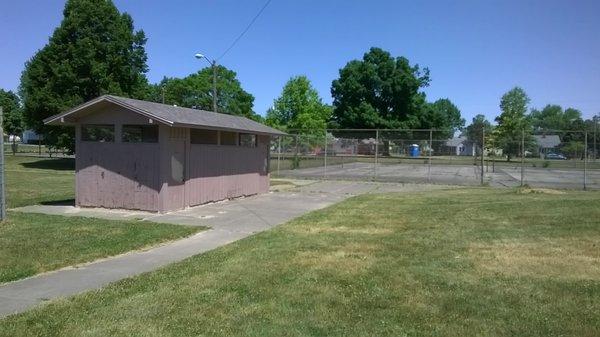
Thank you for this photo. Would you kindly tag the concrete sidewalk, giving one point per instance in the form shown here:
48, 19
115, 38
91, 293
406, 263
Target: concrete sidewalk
229, 221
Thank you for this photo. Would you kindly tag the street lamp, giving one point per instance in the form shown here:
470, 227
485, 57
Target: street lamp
213, 64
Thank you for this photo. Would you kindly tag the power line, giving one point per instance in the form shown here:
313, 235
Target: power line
245, 30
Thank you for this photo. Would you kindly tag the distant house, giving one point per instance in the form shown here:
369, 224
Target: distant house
142, 155
460, 146
342, 146
30, 137
547, 143
367, 146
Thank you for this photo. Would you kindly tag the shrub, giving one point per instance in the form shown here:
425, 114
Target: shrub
295, 162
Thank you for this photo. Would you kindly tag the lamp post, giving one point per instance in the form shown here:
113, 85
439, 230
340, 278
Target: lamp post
213, 64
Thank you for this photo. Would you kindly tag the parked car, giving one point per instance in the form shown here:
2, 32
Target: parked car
555, 156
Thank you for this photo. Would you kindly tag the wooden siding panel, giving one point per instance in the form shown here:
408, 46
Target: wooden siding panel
117, 175
173, 166
224, 172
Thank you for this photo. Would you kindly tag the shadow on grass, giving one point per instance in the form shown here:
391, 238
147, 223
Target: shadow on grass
59, 164
64, 202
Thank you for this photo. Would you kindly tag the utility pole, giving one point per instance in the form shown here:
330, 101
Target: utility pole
2, 195
213, 64
214, 86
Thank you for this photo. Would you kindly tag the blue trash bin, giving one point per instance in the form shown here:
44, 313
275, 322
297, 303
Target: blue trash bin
413, 150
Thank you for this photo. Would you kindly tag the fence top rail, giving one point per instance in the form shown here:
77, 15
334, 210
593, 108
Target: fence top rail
532, 132
366, 130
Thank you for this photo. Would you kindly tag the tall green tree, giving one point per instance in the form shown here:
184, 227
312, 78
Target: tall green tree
442, 115
513, 123
553, 117
12, 118
195, 91
94, 51
567, 123
12, 112
479, 127
379, 91
299, 107
384, 92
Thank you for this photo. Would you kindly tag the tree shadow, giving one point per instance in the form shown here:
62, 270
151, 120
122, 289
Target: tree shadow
59, 164
64, 202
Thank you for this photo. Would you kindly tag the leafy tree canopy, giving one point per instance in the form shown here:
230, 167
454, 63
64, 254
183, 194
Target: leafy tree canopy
475, 131
379, 91
299, 107
443, 115
384, 92
94, 51
553, 117
195, 91
12, 112
513, 123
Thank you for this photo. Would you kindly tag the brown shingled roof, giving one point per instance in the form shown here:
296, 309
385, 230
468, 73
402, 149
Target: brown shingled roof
175, 116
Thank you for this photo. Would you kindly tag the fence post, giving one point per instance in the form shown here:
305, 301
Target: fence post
522, 156
325, 157
278, 154
2, 195
429, 155
296, 160
376, 152
595, 119
585, 155
482, 151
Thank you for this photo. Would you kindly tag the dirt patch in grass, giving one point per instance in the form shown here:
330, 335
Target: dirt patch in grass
349, 258
281, 185
342, 230
530, 190
564, 259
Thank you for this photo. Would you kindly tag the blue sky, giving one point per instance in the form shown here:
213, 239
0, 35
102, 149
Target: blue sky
475, 50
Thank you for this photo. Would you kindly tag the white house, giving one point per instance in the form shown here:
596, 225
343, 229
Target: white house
462, 146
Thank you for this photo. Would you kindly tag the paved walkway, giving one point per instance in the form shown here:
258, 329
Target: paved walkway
229, 221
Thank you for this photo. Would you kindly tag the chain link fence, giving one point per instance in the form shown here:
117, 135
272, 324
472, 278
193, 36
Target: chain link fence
30, 150
552, 159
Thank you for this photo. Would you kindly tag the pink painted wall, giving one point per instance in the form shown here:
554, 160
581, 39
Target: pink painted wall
223, 172
172, 167
116, 175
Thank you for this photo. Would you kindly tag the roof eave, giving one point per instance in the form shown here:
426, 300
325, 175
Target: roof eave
59, 119
209, 127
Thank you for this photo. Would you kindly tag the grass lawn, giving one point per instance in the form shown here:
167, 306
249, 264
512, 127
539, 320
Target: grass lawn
31, 180
35, 243
466, 262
